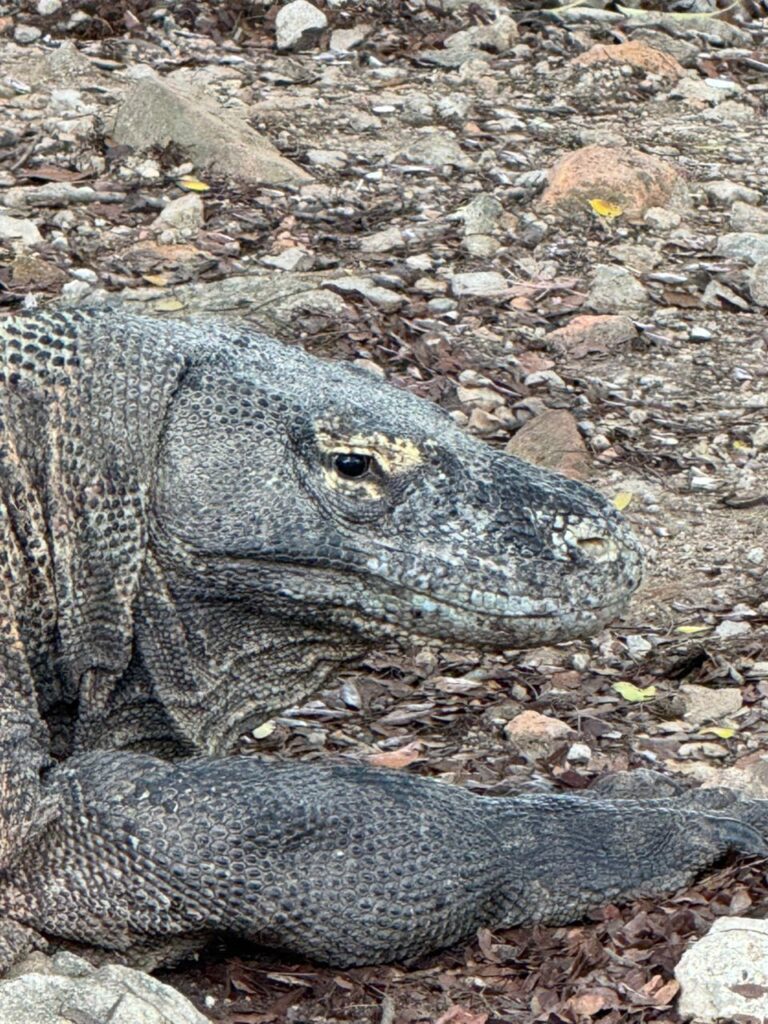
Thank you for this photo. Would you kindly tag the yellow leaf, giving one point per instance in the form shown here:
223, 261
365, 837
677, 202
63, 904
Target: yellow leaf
641, 15
156, 279
633, 693
265, 729
723, 734
605, 209
623, 499
740, 446
168, 305
692, 629
192, 184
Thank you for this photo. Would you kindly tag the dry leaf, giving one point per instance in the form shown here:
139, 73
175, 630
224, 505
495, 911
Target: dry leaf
622, 499
721, 732
157, 279
265, 729
460, 1015
605, 209
692, 629
192, 184
633, 693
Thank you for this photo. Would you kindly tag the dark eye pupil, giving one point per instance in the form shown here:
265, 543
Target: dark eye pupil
351, 464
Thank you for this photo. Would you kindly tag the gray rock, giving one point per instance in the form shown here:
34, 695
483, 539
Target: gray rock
299, 25
186, 214
749, 246
705, 90
662, 220
725, 974
481, 283
383, 241
436, 149
385, 298
343, 39
45, 8
480, 215
23, 233
727, 192
705, 704
758, 282
291, 259
745, 217
615, 290
156, 113
25, 34
684, 51
498, 36
66, 989
481, 245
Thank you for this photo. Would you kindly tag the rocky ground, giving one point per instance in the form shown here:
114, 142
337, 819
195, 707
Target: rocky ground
554, 223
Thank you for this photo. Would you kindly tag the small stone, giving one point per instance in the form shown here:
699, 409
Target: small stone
480, 283
480, 215
25, 34
547, 377
299, 25
497, 36
728, 628
585, 333
336, 159
700, 334
383, 241
436, 149
293, 259
481, 245
45, 8
385, 298
615, 290
758, 282
578, 753
553, 441
747, 217
23, 233
345, 39
536, 735
725, 192
625, 177
660, 219
706, 704
185, 214
724, 976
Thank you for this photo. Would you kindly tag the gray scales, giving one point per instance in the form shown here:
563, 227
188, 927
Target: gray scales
200, 525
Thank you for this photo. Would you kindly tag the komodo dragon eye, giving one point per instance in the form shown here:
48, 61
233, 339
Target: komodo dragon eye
352, 465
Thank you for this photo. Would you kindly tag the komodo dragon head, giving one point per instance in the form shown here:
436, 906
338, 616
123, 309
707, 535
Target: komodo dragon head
295, 511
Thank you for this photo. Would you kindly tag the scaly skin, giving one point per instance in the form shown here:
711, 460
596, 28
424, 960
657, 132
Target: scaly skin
185, 550
343, 864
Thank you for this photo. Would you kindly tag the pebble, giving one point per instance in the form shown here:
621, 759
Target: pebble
749, 246
480, 283
23, 233
700, 334
185, 214
45, 8
299, 25
579, 753
724, 975
25, 34
383, 241
293, 259
727, 192
367, 289
615, 290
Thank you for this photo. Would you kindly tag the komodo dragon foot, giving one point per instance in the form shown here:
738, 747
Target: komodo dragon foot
343, 864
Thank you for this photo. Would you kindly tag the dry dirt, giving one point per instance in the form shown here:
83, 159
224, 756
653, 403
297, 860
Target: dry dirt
673, 415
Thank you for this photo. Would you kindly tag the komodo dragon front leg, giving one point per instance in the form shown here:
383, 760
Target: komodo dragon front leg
343, 864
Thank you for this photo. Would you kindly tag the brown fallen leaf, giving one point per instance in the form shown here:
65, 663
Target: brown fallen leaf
399, 758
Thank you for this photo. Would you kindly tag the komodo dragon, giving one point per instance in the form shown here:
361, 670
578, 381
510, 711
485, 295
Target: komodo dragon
199, 525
